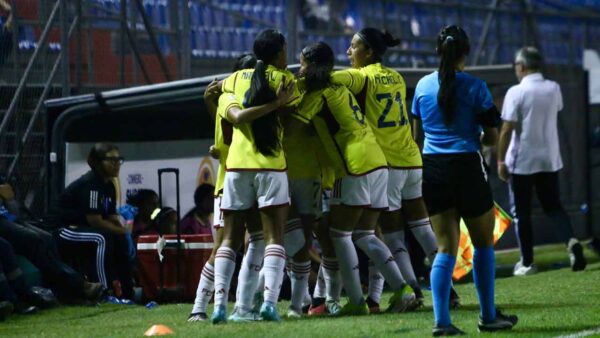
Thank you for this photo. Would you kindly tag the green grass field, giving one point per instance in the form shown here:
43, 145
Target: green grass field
554, 302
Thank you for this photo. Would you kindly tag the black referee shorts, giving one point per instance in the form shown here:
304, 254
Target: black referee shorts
458, 181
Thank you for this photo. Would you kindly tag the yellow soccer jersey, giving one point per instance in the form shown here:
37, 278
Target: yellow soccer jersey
223, 137
381, 93
239, 83
301, 156
242, 154
342, 128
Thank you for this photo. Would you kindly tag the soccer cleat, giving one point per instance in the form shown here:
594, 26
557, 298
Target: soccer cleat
351, 309
522, 270
402, 299
419, 300
268, 312
240, 316
373, 306
333, 307
197, 317
454, 298
511, 318
449, 330
502, 322
576, 257
317, 310
293, 313
219, 314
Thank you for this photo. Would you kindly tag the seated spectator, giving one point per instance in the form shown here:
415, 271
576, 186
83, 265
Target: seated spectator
199, 219
166, 221
39, 247
90, 229
14, 289
146, 200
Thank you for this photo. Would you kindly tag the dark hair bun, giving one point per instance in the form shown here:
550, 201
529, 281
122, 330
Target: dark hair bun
389, 40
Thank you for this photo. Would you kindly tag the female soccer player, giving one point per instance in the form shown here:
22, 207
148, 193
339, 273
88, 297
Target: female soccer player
256, 170
381, 93
360, 194
223, 133
453, 108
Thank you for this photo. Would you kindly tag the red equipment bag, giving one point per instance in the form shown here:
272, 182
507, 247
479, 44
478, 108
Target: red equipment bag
158, 279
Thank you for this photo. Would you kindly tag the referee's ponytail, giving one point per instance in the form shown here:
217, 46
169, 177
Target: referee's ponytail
452, 47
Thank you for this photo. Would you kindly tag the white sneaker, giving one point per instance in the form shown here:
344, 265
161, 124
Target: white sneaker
293, 313
522, 270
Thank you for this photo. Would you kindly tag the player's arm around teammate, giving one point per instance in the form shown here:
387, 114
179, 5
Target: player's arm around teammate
362, 184
256, 170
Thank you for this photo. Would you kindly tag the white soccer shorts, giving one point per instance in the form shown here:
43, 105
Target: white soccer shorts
368, 191
243, 189
217, 213
403, 184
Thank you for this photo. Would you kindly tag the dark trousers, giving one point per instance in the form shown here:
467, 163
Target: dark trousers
547, 191
12, 281
100, 255
40, 248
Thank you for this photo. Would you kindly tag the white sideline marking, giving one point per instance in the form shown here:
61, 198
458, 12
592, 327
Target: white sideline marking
582, 333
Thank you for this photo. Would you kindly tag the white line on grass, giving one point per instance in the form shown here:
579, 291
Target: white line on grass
582, 333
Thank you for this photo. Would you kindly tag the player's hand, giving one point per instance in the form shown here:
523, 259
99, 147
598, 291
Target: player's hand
503, 172
285, 92
214, 152
213, 90
6, 192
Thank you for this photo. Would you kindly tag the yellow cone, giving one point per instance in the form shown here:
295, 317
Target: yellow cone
158, 330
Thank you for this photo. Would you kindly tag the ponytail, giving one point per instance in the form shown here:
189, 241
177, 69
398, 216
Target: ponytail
265, 129
452, 46
378, 41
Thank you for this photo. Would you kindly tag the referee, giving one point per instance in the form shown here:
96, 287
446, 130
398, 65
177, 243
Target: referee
529, 157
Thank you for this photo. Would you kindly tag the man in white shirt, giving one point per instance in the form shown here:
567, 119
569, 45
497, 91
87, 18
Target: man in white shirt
529, 157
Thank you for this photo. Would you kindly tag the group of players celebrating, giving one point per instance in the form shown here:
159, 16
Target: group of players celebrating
332, 153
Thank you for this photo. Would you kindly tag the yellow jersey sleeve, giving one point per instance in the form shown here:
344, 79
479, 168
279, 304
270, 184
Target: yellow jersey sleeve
353, 79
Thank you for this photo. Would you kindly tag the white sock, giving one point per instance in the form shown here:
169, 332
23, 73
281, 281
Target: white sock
348, 262
206, 287
375, 283
332, 278
293, 239
381, 257
251, 266
424, 234
319, 291
395, 241
224, 268
300, 273
274, 263
306, 299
